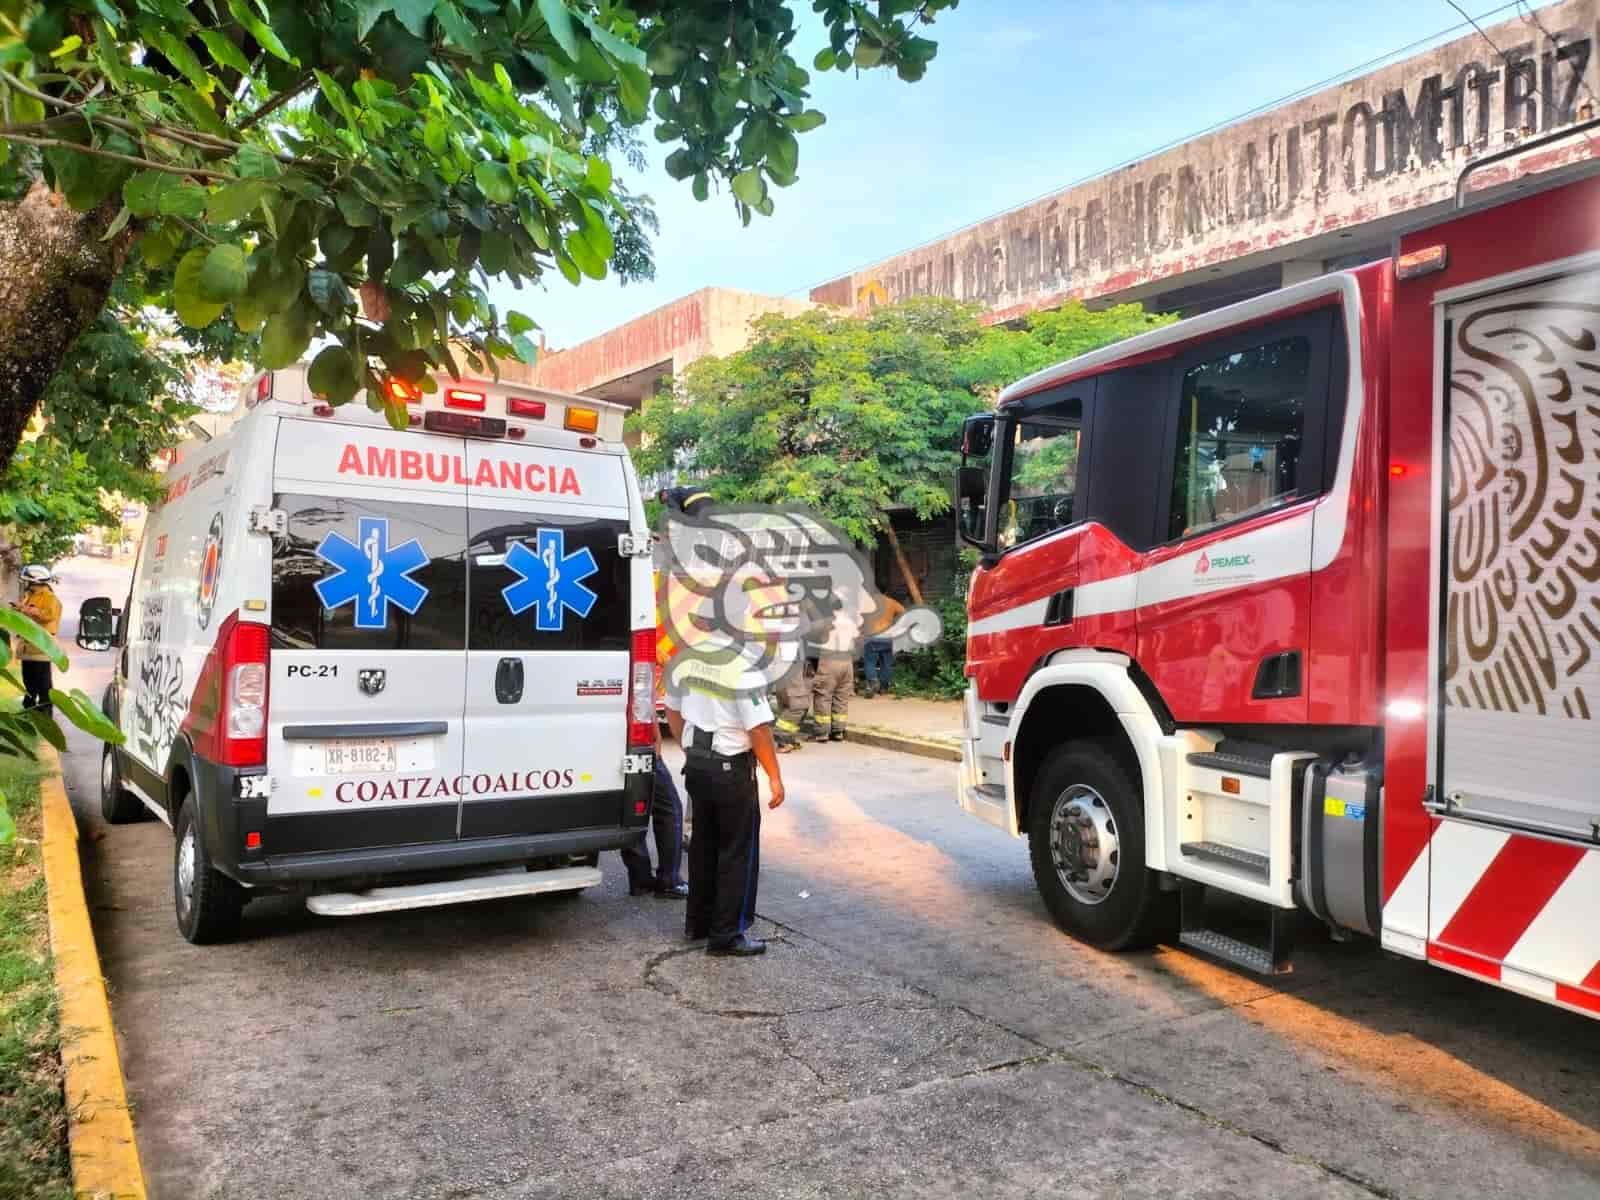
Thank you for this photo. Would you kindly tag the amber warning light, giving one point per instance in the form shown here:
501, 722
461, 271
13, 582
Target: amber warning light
402, 392
1421, 262
583, 420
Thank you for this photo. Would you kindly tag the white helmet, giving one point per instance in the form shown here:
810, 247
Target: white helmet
37, 574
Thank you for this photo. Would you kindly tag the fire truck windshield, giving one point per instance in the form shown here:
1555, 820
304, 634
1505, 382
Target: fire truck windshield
1039, 487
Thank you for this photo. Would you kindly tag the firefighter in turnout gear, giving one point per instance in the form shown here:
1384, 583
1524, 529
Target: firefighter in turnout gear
40, 604
835, 681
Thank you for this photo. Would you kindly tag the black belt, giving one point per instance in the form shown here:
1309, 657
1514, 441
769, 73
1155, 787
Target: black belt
697, 751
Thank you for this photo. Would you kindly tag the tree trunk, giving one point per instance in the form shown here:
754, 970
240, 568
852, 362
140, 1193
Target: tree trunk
905, 565
55, 275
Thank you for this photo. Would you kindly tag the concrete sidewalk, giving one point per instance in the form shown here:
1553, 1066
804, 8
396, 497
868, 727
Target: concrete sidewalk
931, 728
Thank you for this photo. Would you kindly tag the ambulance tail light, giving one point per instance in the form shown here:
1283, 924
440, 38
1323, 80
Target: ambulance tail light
227, 719
264, 387
642, 688
518, 406
583, 420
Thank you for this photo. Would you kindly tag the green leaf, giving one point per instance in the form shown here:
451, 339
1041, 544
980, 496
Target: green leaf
622, 51
68, 44
246, 16
180, 56
224, 51
15, 623
598, 174
456, 26
47, 728
118, 223
333, 375
252, 162
557, 16
8, 827
85, 714
285, 336
414, 14
569, 269
356, 209
805, 122
633, 89
868, 54
749, 187
249, 312
583, 254
158, 245
223, 276
234, 201
367, 14
518, 323
185, 198
495, 181
435, 135
189, 300
328, 291
824, 60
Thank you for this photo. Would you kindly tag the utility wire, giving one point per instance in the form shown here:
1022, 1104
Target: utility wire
1299, 93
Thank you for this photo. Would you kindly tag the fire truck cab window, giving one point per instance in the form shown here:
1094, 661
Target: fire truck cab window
1241, 426
1042, 475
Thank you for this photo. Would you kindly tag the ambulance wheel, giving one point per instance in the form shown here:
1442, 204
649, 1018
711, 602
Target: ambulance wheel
117, 804
208, 902
1086, 840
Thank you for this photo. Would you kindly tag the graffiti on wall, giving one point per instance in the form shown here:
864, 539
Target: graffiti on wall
1391, 141
158, 698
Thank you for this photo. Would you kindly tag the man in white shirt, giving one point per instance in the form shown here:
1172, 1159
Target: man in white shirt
723, 738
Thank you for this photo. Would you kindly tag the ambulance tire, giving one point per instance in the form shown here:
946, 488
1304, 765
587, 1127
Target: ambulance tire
207, 902
117, 804
1133, 911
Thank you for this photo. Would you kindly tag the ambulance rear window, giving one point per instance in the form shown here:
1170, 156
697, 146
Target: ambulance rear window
357, 575
547, 582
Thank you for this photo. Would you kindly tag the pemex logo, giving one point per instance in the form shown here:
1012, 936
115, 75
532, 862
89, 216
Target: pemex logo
1203, 565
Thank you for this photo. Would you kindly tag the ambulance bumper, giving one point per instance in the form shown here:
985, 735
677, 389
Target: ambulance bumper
362, 844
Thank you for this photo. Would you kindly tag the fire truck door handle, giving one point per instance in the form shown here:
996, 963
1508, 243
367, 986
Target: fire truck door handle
508, 681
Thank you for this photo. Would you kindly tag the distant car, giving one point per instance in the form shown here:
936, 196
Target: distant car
97, 550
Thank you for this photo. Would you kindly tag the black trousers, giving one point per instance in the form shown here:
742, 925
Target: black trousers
666, 821
725, 855
36, 682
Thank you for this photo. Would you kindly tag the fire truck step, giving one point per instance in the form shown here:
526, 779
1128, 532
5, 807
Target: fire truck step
1236, 756
1245, 861
1231, 949
1275, 958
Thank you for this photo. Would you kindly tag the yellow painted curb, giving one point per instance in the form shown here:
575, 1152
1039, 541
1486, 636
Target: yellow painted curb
105, 1158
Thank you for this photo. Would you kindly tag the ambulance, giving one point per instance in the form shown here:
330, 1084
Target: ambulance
389, 668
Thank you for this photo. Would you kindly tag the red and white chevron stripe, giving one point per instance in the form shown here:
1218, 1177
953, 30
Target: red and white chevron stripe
1523, 912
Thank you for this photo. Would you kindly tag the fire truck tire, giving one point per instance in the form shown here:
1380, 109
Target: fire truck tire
1086, 840
208, 903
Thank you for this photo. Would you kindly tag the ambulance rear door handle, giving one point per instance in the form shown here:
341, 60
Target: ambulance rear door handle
508, 681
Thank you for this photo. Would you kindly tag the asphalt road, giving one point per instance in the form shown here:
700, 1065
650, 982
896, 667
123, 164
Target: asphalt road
919, 1028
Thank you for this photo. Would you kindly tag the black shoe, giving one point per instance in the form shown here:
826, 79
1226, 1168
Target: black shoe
836, 736
868, 692
819, 736
740, 946
692, 933
672, 891
647, 888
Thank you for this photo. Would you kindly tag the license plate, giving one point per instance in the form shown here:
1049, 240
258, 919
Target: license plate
360, 756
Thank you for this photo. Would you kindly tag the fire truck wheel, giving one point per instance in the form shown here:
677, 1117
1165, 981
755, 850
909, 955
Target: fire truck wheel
208, 902
1086, 839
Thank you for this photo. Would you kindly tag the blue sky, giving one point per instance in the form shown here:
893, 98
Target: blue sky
1025, 96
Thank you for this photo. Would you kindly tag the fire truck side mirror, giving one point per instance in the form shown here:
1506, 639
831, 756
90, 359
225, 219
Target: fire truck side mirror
977, 436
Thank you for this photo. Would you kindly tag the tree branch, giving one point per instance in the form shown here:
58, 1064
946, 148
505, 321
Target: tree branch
271, 106
57, 143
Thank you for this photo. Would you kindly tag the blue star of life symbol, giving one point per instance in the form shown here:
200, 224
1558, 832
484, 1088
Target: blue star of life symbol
551, 579
371, 575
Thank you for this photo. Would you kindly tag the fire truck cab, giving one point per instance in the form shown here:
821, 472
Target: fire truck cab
1299, 601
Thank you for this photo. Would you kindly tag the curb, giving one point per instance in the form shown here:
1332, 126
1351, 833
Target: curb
887, 739
105, 1157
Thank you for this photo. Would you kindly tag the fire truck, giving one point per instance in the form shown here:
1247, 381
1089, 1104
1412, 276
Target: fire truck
1298, 602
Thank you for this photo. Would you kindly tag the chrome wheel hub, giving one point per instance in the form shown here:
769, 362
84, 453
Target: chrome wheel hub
108, 775
186, 870
1083, 844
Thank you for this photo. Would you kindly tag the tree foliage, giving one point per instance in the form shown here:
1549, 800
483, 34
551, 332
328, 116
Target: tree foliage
852, 416
284, 157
